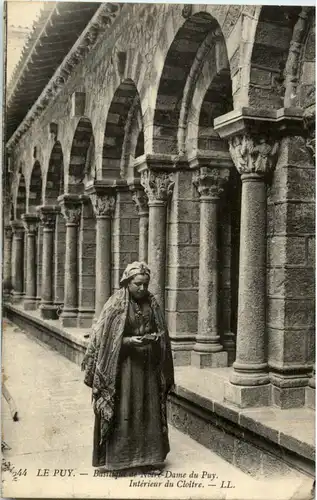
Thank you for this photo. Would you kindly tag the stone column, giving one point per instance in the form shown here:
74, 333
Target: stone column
48, 216
158, 186
71, 210
103, 202
141, 202
254, 159
208, 350
7, 258
30, 224
17, 261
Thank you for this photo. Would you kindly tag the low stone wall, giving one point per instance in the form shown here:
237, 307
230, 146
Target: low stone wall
244, 442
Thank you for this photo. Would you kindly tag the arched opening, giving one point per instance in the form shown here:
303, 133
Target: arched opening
195, 88
270, 50
53, 189
179, 61
123, 141
55, 175
20, 205
81, 170
82, 157
35, 192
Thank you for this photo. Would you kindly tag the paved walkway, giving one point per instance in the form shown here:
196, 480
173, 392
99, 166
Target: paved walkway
51, 444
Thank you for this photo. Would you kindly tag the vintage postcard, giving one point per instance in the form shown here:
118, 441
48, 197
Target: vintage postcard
158, 208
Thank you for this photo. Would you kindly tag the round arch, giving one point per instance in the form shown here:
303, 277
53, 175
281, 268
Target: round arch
269, 55
35, 190
20, 202
123, 137
176, 72
55, 175
82, 157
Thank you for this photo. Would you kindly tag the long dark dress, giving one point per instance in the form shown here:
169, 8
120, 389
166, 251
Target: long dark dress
137, 437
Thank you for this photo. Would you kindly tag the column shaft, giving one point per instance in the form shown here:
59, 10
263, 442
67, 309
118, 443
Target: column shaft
7, 267
30, 223
143, 236
103, 262
157, 249
250, 365
18, 261
71, 210
48, 217
71, 276
208, 350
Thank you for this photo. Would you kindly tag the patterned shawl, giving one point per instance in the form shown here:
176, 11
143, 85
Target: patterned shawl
102, 356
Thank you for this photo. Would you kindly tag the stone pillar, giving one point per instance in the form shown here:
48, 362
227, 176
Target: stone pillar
208, 350
7, 258
103, 202
71, 210
254, 137
158, 186
48, 216
39, 255
30, 224
86, 264
17, 261
141, 202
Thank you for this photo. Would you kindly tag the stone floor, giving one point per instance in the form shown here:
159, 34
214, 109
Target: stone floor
50, 453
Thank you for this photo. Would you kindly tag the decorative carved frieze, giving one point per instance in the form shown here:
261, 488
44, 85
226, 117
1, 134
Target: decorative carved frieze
256, 154
210, 182
157, 185
103, 205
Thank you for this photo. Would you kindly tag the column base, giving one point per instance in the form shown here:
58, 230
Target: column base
310, 398
209, 359
17, 297
48, 311
30, 304
181, 351
85, 318
247, 397
68, 318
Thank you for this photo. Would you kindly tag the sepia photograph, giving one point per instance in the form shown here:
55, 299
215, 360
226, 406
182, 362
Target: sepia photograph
158, 251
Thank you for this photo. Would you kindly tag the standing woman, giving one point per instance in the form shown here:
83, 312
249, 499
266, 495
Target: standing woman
128, 365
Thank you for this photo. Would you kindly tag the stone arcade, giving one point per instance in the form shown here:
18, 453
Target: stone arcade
183, 136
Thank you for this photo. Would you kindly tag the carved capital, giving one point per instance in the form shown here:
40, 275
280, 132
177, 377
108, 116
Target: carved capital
48, 216
30, 223
141, 201
157, 185
71, 214
253, 154
210, 182
103, 205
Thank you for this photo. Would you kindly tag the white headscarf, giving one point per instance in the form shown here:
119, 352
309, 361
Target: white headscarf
134, 269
